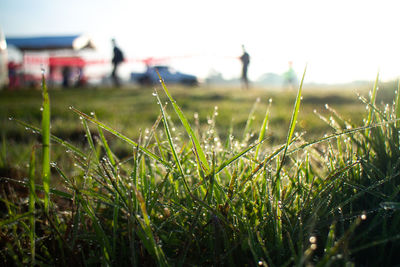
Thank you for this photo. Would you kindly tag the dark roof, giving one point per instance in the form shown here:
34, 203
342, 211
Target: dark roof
74, 42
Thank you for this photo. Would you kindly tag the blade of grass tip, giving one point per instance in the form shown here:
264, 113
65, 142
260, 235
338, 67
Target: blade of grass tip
235, 157
397, 104
185, 123
292, 121
373, 97
46, 144
171, 144
263, 130
250, 120
123, 137
105, 145
67, 145
90, 139
32, 201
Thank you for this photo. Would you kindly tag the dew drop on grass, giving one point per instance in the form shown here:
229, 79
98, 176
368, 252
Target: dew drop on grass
154, 94
363, 216
326, 106
260, 263
41, 108
313, 239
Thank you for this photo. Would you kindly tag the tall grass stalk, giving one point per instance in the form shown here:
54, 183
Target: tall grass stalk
189, 131
46, 144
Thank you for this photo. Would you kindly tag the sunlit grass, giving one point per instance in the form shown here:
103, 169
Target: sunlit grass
190, 192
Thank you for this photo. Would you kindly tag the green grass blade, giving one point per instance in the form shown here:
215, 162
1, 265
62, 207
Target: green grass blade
46, 144
188, 129
67, 145
293, 122
149, 241
123, 137
250, 119
32, 201
373, 97
171, 144
106, 146
397, 103
262, 131
237, 156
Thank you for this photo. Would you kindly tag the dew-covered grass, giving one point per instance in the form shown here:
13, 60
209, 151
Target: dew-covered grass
201, 177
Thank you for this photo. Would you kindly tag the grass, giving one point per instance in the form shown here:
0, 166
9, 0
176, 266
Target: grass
203, 191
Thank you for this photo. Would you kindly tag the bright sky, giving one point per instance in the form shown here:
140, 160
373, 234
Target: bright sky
341, 40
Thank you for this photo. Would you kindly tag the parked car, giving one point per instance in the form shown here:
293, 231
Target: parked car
168, 74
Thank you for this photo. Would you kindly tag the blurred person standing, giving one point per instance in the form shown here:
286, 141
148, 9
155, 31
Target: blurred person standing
118, 58
245, 59
290, 78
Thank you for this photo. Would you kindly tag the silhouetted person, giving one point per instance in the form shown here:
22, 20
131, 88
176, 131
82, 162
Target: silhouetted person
118, 58
66, 75
290, 78
245, 58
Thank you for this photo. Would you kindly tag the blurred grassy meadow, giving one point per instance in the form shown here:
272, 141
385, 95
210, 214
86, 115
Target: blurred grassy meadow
133, 111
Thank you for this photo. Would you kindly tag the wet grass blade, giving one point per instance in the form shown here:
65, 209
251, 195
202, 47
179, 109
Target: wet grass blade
171, 144
32, 201
237, 156
123, 137
149, 240
373, 97
46, 144
397, 103
188, 129
67, 145
293, 122
250, 120
262, 131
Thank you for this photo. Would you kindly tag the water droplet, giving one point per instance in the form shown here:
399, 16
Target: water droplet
326, 106
154, 94
10, 118
41, 108
92, 113
260, 263
363, 216
313, 239
270, 100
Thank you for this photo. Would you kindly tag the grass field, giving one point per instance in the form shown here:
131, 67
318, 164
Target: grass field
199, 181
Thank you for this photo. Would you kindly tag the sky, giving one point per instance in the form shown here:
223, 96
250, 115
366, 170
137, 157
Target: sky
339, 41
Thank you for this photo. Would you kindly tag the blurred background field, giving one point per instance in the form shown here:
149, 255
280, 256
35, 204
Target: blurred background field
133, 111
